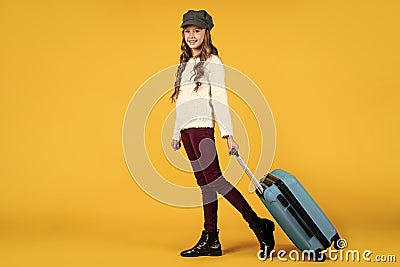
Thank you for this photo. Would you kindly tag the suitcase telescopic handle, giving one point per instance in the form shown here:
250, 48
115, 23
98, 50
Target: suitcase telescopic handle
253, 179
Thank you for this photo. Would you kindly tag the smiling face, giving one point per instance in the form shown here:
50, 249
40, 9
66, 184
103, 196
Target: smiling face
194, 37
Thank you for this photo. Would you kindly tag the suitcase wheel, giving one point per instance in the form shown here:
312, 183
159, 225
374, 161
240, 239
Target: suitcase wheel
319, 257
339, 243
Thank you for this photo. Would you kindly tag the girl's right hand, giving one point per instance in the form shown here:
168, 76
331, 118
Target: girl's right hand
175, 144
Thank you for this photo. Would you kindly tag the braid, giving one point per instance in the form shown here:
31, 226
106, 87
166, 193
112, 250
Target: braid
207, 49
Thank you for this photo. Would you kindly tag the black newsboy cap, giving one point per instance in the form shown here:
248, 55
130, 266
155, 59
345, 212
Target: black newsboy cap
199, 18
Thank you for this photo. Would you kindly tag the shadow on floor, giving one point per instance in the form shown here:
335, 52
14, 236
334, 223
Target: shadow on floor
252, 247
238, 247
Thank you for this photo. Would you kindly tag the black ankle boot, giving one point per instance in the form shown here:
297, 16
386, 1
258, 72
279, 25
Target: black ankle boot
264, 231
208, 245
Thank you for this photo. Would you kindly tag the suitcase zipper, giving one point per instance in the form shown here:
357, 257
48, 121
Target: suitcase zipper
271, 179
292, 211
300, 222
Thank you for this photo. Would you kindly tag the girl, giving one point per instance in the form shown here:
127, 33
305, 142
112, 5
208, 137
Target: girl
199, 94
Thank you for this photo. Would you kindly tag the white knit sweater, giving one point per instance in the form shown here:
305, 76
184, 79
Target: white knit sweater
207, 105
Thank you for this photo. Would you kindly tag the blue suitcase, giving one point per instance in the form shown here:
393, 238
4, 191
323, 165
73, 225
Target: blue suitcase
295, 210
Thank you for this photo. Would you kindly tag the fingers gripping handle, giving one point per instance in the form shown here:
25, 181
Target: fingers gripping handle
254, 180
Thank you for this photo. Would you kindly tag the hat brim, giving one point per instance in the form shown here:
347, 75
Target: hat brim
195, 23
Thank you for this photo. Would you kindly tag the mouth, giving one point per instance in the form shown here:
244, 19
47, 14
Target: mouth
192, 42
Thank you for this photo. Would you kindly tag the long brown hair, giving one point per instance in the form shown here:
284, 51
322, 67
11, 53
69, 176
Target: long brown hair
207, 49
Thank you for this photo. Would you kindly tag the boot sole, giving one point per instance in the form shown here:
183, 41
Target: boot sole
213, 253
216, 253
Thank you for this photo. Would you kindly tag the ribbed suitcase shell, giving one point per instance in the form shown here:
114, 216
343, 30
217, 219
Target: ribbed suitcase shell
297, 213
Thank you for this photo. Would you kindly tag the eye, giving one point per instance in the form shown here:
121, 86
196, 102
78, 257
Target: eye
197, 30
187, 31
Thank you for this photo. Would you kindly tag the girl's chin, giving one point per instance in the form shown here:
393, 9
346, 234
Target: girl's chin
194, 46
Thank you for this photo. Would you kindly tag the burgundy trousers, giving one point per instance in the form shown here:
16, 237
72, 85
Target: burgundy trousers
199, 144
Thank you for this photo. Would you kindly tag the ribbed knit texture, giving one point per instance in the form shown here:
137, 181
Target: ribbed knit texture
207, 105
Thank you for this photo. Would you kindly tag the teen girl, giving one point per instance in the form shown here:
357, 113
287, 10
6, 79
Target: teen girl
201, 99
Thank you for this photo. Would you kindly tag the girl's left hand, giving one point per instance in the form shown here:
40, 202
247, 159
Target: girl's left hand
175, 144
231, 144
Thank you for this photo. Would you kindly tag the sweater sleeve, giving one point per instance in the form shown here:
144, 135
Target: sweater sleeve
176, 135
219, 98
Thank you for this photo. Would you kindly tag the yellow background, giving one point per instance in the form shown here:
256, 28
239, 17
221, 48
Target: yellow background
68, 70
